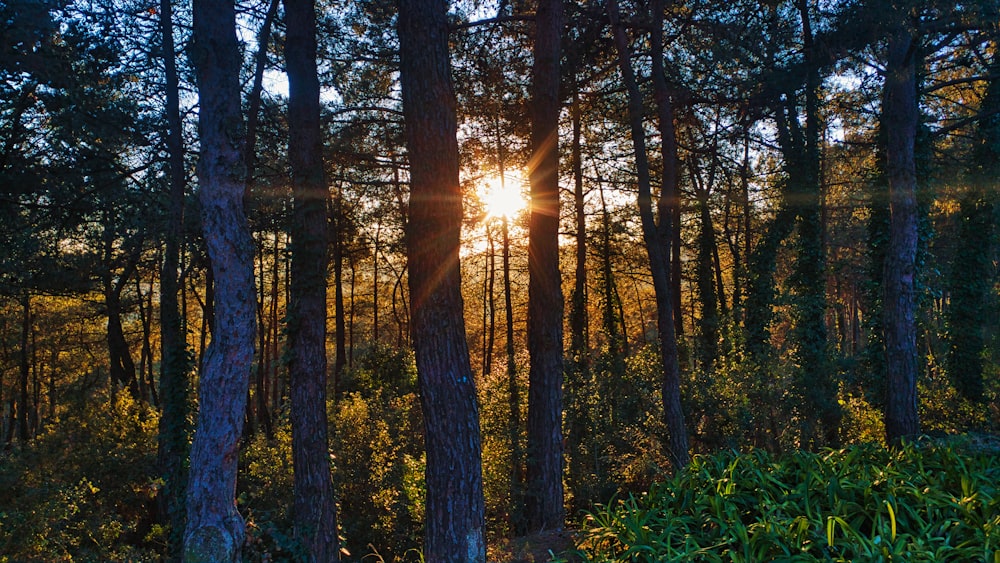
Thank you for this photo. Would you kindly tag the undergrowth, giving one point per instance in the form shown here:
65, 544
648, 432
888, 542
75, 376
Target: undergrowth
920, 503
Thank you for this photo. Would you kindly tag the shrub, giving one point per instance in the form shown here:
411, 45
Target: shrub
926, 502
84, 489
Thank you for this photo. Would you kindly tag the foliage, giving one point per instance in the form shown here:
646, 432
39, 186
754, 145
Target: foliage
922, 502
84, 489
378, 468
264, 493
622, 449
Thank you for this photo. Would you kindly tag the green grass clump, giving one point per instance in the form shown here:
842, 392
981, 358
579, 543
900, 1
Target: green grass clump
933, 503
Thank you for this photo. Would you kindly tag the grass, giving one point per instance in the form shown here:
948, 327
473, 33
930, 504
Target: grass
923, 502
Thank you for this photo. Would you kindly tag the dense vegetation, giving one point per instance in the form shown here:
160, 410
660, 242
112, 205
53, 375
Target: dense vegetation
923, 502
770, 228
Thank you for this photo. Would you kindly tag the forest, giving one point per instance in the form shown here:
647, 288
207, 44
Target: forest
499, 280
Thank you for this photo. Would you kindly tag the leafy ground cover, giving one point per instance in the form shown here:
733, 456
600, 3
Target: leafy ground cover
933, 502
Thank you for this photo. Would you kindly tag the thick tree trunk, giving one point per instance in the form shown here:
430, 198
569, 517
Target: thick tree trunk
314, 509
215, 530
899, 119
455, 507
543, 503
657, 237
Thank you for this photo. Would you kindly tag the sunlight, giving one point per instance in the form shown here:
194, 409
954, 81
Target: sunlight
502, 198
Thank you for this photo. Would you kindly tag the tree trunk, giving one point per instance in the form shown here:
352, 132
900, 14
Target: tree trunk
175, 367
513, 396
544, 492
254, 97
899, 119
578, 313
490, 328
314, 510
340, 326
122, 366
708, 352
455, 522
215, 530
578, 374
657, 237
25, 369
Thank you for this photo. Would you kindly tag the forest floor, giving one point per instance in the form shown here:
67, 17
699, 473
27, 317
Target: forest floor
536, 548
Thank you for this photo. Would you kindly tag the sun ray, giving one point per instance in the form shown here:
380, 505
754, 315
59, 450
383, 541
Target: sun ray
503, 196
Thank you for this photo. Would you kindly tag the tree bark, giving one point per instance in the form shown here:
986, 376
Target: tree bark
215, 529
314, 510
455, 522
899, 119
543, 503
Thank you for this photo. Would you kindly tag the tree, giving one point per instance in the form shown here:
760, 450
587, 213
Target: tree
454, 513
215, 530
972, 269
657, 235
314, 509
544, 494
899, 120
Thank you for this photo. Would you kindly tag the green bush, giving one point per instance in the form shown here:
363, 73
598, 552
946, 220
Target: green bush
926, 502
84, 489
378, 463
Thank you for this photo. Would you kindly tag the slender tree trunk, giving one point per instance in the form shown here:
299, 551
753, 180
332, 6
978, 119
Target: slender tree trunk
314, 509
340, 327
174, 429
257, 411
657, 236
122, 366
513, 396
817, 388
25, 369
146, 351
375, 283
544, 492
578, 376
709, 349
254, 97
350, 323
215, 530
263, 382
455, 519
612, 322
490, 322
273, 326
578, 312
899, 119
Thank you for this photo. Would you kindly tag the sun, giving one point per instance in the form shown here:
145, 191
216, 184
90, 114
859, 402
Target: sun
502, 198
